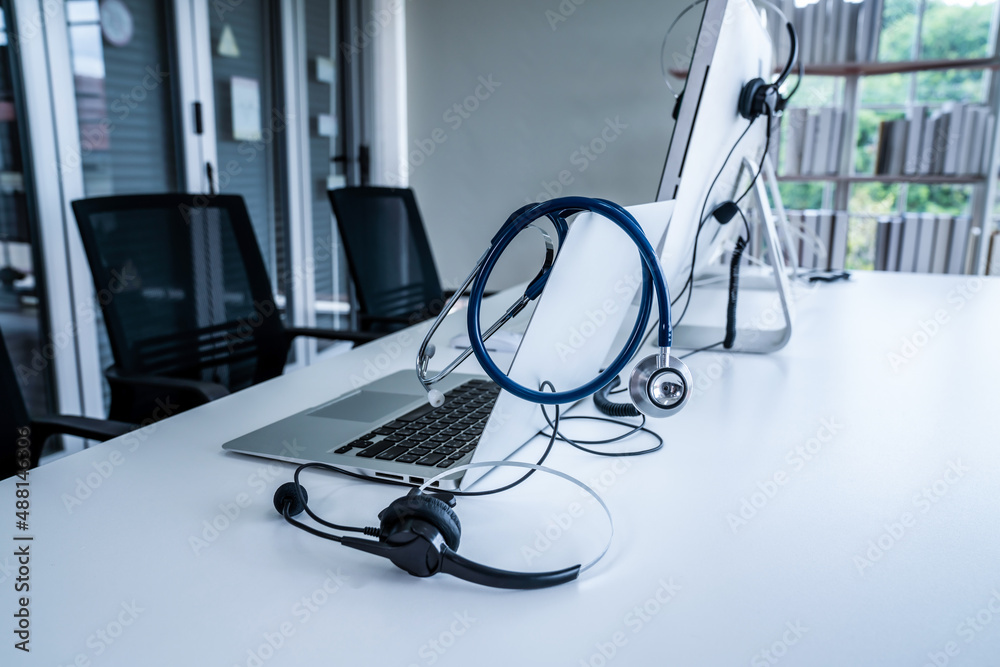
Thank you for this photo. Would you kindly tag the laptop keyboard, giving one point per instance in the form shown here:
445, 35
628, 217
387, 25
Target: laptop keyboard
429, 436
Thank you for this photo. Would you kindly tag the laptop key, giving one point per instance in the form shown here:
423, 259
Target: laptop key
445, 464
419, 451
392, 453
417, 413
408, 458
344, 449
431, 459
374, 450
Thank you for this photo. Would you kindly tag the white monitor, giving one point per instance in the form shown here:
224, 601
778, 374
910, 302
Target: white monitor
732, 47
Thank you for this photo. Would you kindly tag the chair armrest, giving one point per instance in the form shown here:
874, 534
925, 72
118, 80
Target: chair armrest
385, 319
205, 391
84, 427
358, 337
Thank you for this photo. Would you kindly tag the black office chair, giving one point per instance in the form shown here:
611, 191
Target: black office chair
186, 299
14, 419
388, 256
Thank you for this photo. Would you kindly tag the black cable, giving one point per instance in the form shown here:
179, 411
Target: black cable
830, 277
734, 282
767, 147
689, 285
392, 482
610, 408
579, 444
700, 349
307, 527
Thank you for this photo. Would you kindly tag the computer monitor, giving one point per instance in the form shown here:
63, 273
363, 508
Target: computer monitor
732, 47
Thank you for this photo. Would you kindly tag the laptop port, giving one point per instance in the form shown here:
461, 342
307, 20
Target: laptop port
386, 475
416, 480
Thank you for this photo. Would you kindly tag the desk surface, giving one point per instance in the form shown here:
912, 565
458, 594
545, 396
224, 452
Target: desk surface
836, 503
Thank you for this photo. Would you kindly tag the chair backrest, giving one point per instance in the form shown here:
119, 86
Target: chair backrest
183, 287
387, 252
13, 416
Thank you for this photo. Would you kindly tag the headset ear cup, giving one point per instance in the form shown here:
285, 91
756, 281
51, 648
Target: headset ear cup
660, 391
424, 508
748, 98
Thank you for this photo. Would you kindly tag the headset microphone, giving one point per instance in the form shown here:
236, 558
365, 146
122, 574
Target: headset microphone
420, 532
757, 95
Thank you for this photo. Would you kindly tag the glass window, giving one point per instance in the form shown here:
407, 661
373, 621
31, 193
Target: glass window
899, 30
955, 85
887, 89
956, 29
22, 320
250, 127
951, 199
124, 101
325, 137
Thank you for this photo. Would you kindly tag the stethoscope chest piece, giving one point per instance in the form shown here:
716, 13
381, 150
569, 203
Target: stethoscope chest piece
660, 389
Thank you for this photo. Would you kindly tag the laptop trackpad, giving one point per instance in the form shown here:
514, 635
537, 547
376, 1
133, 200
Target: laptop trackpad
365, 406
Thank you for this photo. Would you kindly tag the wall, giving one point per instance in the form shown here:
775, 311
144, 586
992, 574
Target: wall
560, 75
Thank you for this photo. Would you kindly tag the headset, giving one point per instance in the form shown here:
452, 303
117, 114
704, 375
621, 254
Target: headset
420, 532
659, 386
758, 96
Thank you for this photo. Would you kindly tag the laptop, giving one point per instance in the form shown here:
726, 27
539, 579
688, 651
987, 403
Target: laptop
388, 430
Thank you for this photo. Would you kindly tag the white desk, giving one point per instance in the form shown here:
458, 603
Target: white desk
116, 581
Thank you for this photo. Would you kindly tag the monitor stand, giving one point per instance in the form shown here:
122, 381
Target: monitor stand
755, 339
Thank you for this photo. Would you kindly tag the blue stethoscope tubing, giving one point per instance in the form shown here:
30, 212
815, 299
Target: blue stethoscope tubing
653, 284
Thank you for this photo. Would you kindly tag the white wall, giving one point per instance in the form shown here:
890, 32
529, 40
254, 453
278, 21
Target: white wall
560, 85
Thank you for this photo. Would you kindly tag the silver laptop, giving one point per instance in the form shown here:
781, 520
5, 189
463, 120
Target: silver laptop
388, 430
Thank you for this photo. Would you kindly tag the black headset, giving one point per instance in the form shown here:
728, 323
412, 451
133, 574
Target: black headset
419, 533
757, 95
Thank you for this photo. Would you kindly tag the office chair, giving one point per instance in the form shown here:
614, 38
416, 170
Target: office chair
186, 299
14, 417
388, 256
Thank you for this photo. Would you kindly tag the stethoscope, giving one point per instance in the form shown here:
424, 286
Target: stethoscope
659, 385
